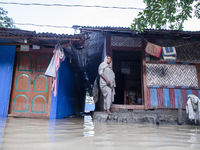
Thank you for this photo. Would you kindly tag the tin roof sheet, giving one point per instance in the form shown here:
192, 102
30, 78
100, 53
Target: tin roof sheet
17, 36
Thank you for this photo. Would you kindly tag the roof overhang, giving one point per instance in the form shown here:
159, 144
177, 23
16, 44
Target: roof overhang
127, 30
19, 37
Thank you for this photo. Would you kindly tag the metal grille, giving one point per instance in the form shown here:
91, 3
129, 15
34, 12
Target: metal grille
126, 41
188, 53
171, 75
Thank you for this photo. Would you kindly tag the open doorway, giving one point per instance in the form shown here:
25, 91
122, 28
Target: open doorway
127, 68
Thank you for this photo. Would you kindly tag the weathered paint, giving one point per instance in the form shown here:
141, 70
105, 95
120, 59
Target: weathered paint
29, 83
7, 55
42, 56
172, 98
169, 98
45, 103
149, 97
154, 99
34, 86
166, 98
189, 91
177, 96
195, 92
31, 63
184, 97
172, 87
63, 104
160, 98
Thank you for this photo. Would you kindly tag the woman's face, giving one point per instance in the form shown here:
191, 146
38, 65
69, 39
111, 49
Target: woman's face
109, 59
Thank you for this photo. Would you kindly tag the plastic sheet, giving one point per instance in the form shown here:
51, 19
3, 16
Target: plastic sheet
86, 57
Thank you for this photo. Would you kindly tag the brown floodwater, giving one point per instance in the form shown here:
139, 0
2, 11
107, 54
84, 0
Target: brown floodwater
83, 134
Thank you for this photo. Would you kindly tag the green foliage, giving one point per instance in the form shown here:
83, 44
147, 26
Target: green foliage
159, 12
197, 11
5, 21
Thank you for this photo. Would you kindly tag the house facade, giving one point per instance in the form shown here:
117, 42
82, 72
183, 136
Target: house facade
143, 81
25, 90
147, 82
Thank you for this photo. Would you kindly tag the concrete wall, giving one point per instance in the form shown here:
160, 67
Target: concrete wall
7, 55
63, 104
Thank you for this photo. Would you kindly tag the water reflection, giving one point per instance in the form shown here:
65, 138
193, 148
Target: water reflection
2, 125
82, 133
88, 126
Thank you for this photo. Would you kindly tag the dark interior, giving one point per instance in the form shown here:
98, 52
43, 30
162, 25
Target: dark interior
127, 68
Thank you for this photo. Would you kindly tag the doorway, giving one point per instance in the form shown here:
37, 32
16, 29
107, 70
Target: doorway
127, 68
30, 88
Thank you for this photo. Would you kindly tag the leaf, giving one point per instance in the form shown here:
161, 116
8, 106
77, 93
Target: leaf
161, 9
159, 12
7, 22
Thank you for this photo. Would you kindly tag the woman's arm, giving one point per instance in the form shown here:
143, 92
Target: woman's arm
107, 81
101, 69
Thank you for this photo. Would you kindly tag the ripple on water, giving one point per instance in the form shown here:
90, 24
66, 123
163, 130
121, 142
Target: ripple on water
82, 133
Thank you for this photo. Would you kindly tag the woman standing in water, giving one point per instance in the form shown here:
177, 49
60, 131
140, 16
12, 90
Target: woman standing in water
107, 82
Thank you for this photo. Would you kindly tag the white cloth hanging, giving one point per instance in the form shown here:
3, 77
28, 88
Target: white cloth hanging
193, 107
54, 65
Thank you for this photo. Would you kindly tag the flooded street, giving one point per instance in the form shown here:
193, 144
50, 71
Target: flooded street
83, 134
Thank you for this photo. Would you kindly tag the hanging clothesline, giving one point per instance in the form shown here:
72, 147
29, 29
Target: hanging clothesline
168, 53
176, 45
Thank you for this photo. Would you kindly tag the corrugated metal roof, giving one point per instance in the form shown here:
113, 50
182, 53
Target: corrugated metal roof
104, 29
17, 32
127, 29
16, 36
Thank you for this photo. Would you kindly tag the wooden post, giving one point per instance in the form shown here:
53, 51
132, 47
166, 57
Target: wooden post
179, 112
145, 102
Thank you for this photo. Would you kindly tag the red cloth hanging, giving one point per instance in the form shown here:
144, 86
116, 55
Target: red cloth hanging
153, 49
